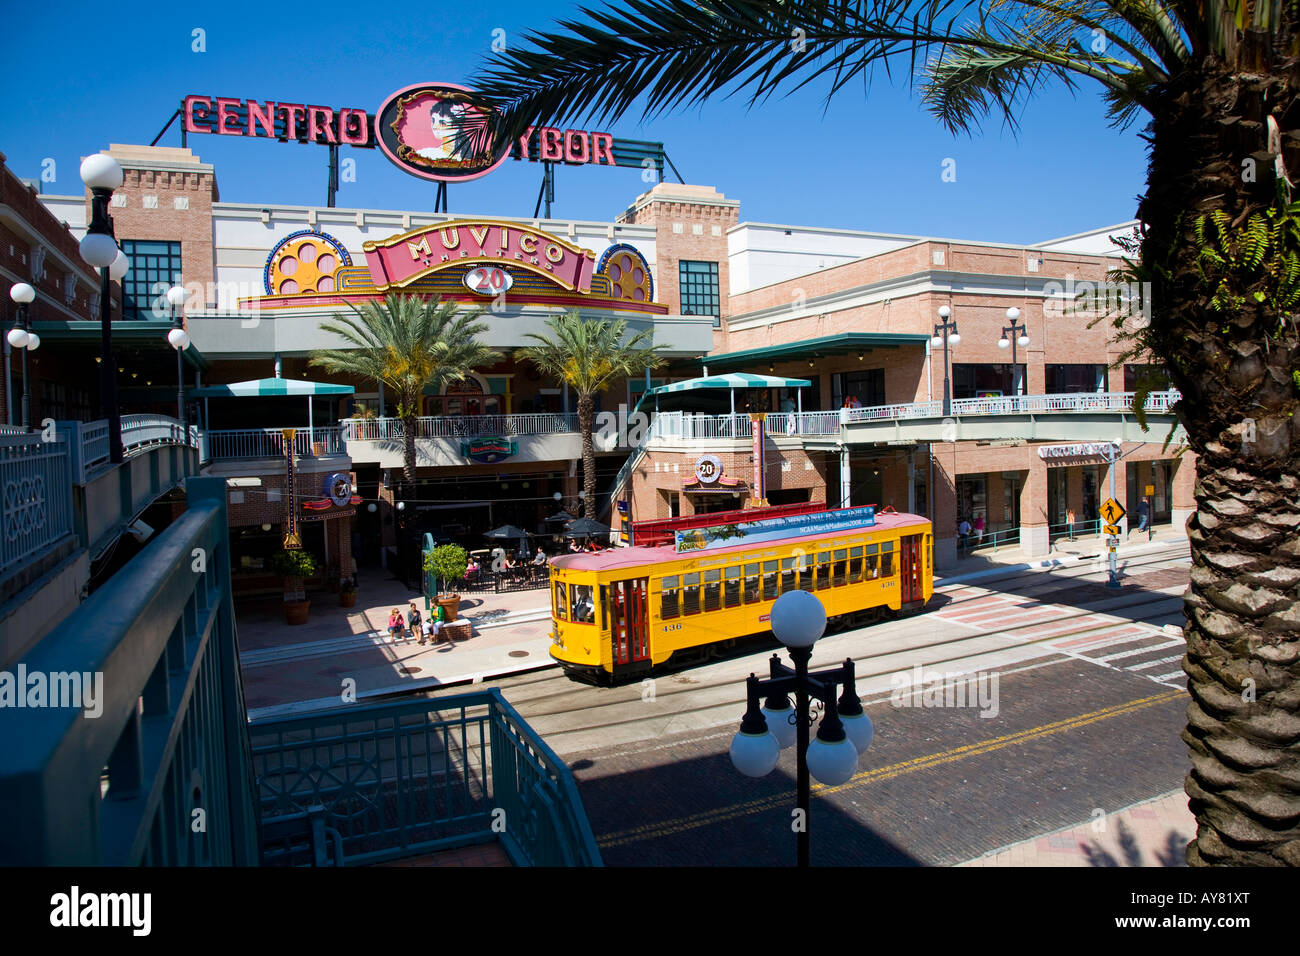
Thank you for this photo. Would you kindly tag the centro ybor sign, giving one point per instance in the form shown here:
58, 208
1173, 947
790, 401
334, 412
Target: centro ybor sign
1081, 450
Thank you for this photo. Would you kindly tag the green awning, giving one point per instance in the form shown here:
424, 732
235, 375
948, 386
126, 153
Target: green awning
809, 349
733, 380
270, 387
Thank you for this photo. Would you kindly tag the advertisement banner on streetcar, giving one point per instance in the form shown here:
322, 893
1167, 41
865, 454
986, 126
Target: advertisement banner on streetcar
771, 529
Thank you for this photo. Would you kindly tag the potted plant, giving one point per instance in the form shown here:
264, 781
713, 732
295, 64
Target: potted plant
294, 565
348, 592
447, 563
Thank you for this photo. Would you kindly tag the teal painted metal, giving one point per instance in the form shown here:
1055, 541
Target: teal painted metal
36, 509
167, 744
409, 777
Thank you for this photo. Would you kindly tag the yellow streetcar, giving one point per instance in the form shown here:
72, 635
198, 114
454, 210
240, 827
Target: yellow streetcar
623, 612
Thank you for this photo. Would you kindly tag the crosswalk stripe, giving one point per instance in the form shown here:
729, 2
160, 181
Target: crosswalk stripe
1163, 660
1133, 653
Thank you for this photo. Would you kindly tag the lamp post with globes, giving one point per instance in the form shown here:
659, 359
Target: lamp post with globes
945, 333
179, 339
102, 174
1012, 336
19, 338
845, 731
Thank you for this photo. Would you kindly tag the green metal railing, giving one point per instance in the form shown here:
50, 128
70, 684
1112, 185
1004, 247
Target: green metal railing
409, 777
156, 769
992, 540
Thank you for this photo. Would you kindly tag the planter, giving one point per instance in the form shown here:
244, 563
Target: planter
295, 612
449, 605
347, 598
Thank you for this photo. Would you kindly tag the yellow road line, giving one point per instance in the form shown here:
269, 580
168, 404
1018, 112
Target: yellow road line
653, 831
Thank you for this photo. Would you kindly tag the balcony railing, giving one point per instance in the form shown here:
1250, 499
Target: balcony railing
411, 777
269, 443
36, 479
1156, 402
461, 426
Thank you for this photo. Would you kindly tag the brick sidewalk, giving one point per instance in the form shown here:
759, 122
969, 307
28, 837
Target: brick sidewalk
1153, 833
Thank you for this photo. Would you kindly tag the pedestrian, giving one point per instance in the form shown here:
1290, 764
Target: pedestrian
787, 409
979, 529
1144, 515
413, 620
395, 625
963, 533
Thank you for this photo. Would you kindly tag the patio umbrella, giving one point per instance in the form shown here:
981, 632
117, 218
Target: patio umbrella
507, 532
585, 528
560, 516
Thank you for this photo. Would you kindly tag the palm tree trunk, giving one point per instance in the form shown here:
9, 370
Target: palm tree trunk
1239, 408
409, 426
586, 422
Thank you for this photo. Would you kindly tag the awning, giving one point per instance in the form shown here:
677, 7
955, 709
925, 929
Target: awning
811, 349
733, 380
270, 387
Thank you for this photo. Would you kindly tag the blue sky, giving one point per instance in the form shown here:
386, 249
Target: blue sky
873, 160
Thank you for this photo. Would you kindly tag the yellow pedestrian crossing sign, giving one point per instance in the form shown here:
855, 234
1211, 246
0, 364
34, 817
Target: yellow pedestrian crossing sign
1112, 529
1112, 511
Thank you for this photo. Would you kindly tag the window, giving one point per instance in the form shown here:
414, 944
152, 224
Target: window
823, 571
155, 268
873, 561
867, 386
855, 565
787, 575
731, 592
699, 288
752, 594
804, 564
840, 555
1066, 379
980, 381
887, 559
713, 589
582, 606
691, 594
1154, 377
769, 581
561, 601
670, 606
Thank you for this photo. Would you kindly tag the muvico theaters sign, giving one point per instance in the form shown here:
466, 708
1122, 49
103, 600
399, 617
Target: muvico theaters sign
401, 260
414, 127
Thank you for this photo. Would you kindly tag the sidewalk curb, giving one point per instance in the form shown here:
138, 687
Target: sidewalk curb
1047, 564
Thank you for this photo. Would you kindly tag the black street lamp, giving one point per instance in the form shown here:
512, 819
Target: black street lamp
798, 620
179, 339
102, 174
945, 333
23, 340
1012, 336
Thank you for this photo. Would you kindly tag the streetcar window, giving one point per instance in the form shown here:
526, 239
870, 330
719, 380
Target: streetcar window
604, 607
582, 606
806, 568
713, 589
751, 584
769, 581
855, 565
691, 594
841, 555
823, 570
887, 559
731, 592
787, 575
561, 601
671, 605
873, 561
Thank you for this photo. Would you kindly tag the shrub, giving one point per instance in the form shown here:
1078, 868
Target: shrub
447, 562
294, 563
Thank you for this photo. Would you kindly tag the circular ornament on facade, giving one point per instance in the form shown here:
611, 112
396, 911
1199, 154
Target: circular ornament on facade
708, 469
488, 280
304, 261
338, 488
416, 129
629, 273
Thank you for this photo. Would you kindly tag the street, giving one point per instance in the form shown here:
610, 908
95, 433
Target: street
1005, 711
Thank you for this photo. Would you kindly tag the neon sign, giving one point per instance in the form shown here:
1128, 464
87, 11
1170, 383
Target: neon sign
271, 120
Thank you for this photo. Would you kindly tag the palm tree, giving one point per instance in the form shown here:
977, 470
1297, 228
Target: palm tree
409, 344
591, 355
1219, 246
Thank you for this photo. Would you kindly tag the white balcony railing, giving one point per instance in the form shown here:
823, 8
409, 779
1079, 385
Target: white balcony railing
1156, 402
461, 426
225, 444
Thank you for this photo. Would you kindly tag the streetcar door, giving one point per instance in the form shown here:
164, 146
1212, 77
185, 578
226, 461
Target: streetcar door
630, 611
910, 568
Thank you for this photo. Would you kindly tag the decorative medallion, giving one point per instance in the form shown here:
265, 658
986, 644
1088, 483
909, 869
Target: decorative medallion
629, 273
304, 261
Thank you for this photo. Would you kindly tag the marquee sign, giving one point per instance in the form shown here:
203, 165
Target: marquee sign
708, 469
1086, 449
398, 261
769, 529
227, 116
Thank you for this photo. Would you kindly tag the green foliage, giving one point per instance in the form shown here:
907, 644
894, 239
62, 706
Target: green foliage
293, 563
447, 562
592, 354
1256, 262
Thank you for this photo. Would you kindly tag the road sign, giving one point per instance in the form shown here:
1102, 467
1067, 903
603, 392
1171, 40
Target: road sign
1112, 511
1112, 529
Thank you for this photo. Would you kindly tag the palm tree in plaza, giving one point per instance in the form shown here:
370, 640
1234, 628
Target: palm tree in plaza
1215, 82
409, 343
591, 355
